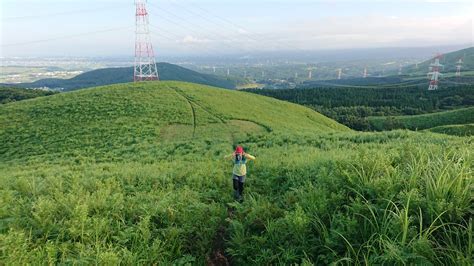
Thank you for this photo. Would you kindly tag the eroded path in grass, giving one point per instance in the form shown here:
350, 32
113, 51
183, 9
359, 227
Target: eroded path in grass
208, 122
219, 256
194, 104
193, 110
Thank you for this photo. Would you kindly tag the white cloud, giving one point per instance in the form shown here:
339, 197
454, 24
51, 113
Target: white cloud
189, 39
242, 31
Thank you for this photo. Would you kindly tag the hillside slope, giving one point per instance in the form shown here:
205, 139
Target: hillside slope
456, 130
130, 115
135, 174
425, 121
107, 76
449, 61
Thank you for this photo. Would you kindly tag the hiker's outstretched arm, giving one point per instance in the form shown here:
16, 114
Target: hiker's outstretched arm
227, 157
250, 157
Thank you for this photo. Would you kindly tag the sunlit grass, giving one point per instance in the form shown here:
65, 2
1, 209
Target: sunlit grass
147, 190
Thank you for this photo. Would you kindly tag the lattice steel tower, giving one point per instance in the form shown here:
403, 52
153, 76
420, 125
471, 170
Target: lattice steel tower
145, 64
435, 68
458, 67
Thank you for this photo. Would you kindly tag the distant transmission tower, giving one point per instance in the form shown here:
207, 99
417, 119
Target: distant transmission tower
365, 73
310, 74
145, 64
435, 67
339, 73
400, 69
458, 67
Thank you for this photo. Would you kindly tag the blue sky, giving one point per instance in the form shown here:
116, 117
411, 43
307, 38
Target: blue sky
106, 27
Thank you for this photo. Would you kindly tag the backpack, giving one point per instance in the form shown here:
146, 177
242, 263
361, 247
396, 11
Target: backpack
243, 160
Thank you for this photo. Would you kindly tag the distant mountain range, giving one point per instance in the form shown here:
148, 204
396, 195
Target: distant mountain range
387, 82
448, 60
107, 76
412, 75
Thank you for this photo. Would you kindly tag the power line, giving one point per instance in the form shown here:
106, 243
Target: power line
161, 30
71, 12
64, 37
178, 38
192, 30
217, 36
205, 18
161, 35
256, 36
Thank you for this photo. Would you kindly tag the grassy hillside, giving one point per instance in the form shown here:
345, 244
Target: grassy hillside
124, 116
109, 76
8, 95
134, 174
456, 130
425, 121
449, 60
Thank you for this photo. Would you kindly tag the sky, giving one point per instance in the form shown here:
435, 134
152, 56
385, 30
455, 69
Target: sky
212, 27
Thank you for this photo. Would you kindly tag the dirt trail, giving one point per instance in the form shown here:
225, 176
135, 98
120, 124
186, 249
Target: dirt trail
192, 109
194, 104
218, 255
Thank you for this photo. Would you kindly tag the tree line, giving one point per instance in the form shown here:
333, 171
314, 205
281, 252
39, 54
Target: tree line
8, 95
352, 106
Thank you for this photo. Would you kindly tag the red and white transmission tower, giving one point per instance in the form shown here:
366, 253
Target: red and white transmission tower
145, 64
339, 73
458, 67
435, 67
310, 72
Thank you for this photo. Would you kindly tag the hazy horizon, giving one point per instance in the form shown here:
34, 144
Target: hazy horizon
209, 28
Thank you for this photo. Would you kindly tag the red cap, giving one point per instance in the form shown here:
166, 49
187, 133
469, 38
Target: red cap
239, 149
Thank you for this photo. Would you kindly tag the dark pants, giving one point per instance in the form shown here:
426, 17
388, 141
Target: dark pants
238, 184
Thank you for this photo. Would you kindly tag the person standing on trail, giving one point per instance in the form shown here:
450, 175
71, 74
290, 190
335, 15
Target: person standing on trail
239, 158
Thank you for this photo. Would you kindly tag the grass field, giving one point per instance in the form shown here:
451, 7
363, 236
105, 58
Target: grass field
425, 121
134, 174
456, 130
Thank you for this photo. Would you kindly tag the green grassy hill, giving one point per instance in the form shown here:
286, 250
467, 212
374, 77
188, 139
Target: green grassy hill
121, 116
449, 60
108, 76
425, 121
135, 174
456, 130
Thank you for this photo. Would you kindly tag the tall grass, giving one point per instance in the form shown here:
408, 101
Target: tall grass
73, 193
406, 201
